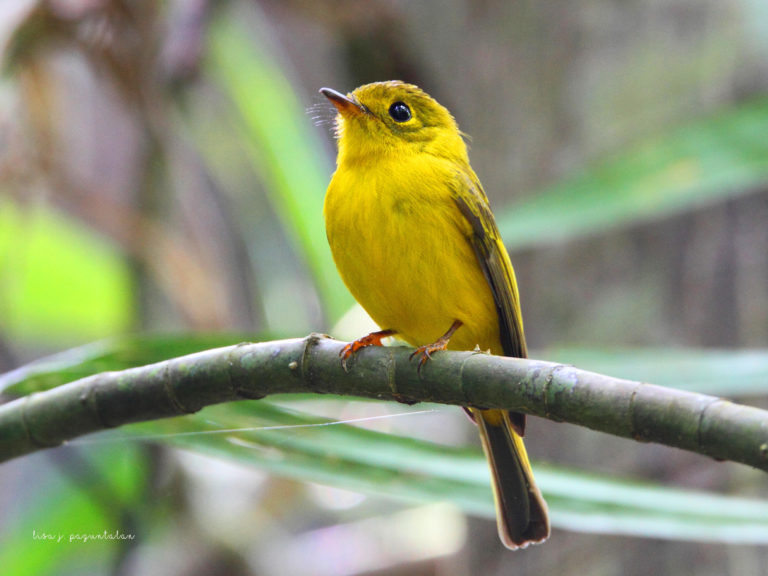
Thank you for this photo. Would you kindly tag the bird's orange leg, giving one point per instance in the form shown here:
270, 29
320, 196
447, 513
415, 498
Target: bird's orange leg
372, 339
425, 352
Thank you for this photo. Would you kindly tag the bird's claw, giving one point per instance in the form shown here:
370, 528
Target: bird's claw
372, 339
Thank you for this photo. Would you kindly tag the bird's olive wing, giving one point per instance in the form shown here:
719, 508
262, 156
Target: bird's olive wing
492, 256
494, 260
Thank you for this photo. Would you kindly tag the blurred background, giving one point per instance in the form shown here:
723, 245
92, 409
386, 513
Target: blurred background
162, 171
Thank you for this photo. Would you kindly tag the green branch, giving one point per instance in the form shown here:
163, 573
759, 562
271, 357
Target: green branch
695, 422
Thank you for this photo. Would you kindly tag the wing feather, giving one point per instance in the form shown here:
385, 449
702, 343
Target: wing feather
497, 268
494, 261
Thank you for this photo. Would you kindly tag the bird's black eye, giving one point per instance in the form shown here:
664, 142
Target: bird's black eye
400, 112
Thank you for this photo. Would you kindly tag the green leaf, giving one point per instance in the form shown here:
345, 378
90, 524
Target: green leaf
729, 373
45, 536
305, 447
58, 280
282, 142
706, 162
119, 353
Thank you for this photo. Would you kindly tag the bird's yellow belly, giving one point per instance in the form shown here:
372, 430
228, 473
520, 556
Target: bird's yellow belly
411, 265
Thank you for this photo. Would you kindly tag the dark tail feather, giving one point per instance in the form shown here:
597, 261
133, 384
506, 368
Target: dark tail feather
520, 509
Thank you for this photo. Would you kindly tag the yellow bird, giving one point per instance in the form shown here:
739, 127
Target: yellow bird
414, 240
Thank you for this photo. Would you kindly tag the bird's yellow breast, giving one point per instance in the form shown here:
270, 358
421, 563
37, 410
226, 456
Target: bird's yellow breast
403, 249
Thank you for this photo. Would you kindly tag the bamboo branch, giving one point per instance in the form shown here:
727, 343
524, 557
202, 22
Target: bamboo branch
645, 412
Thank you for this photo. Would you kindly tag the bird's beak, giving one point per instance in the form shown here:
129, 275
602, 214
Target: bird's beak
346, 105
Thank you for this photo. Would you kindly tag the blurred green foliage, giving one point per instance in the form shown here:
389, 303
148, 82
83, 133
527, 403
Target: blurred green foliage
96, 492
407, 469
59, 281
705, 162
67, 277
283, 144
